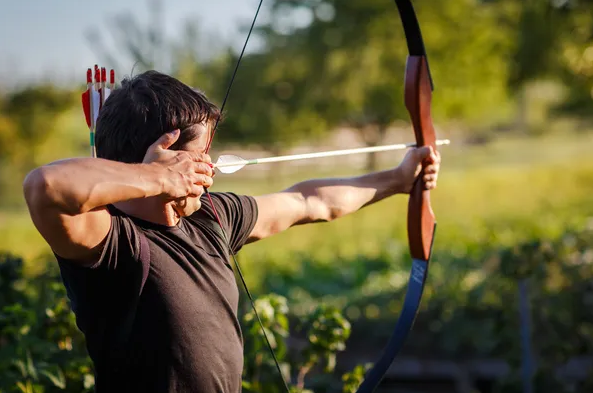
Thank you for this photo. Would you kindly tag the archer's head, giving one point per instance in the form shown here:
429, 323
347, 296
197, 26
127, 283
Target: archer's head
146, 107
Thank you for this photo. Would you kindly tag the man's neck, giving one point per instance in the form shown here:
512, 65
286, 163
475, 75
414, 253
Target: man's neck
150, 210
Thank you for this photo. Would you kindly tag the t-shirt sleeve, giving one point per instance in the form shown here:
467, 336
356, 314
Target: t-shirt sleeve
121, 245
237, 213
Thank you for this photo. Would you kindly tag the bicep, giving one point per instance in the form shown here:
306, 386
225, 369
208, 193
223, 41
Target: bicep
74, 237
280, 211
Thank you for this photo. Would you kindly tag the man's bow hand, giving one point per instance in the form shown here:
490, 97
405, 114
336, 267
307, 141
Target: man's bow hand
411, 167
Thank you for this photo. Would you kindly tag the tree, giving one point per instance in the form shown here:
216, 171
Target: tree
577, 57
270, 107
33, 112
356, 53
28, 119
143, 45
551, 41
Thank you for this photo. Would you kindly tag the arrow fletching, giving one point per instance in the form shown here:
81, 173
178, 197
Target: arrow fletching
230, 163
86, 97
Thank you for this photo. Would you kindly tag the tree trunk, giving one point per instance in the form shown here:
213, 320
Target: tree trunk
522, 110
372, 135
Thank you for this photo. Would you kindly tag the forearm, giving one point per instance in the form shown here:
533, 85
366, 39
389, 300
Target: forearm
80, 185
328, 199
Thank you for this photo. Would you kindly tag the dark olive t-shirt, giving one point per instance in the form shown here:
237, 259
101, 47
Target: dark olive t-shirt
159, 309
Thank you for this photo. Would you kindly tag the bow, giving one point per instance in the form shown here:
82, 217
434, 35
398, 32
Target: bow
421, 219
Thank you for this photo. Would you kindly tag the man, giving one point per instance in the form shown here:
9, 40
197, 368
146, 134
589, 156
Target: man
146, 269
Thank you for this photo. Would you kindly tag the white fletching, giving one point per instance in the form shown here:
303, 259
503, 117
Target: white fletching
230, 163
96, 102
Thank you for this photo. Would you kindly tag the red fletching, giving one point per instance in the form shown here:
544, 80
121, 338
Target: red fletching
86, 97
86, 107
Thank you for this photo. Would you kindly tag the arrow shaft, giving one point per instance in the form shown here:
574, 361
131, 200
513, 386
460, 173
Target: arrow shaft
333, 153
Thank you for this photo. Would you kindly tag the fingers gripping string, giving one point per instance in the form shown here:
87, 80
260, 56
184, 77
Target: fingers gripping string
217, 217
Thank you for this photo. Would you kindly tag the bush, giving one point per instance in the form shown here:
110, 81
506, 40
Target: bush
473, 314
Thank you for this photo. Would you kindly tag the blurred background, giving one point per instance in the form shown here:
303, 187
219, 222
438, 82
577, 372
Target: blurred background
508, 304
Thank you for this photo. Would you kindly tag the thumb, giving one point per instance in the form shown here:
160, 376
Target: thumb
422, 153
166, 140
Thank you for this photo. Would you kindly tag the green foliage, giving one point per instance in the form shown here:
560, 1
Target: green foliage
537, 44
28, 120
360, 59
33, 111
282, 114
352, 380
41, 349
259, 369
472, 314
326, 332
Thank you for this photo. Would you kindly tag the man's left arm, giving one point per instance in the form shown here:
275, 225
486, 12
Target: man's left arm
323, 200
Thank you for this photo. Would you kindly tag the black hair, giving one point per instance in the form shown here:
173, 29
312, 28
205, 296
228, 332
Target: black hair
144, 108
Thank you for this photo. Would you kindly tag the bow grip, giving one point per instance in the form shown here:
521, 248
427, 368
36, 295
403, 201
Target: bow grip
418, 96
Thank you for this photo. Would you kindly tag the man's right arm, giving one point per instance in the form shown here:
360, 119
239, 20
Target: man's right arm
67, 199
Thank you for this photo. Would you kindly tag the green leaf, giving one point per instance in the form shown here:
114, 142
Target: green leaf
58, 379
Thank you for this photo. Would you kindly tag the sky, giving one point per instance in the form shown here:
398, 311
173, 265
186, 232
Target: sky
46, 39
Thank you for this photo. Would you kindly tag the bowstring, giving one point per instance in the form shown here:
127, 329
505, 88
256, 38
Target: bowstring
217, 217
228, 90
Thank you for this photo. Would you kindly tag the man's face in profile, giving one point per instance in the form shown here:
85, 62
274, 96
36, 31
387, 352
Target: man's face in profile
189, 205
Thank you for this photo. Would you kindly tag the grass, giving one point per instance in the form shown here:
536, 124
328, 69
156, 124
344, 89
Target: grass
508, 190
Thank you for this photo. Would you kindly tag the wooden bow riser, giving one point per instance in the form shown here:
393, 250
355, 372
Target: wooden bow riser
418, 96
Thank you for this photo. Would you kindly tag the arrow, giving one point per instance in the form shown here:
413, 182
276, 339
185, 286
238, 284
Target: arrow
93, 98
231, 163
